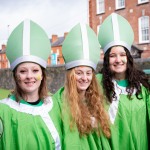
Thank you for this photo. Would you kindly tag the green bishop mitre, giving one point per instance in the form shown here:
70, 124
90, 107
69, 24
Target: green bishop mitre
81, 47
115, 30
28, 42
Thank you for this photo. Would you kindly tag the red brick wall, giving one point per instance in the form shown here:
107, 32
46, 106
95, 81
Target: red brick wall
60, 59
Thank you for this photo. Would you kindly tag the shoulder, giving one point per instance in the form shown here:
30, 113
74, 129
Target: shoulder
5, 109
99, 77
4, 102
58, 95
145, 91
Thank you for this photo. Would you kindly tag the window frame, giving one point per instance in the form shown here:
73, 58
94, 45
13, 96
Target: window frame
98, 11
142, 2
140, 30
117, 5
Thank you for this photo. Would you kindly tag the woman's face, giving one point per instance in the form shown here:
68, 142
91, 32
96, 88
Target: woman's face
118, 60
29, 76
83, 75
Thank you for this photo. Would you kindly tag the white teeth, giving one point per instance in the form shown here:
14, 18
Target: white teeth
30, 82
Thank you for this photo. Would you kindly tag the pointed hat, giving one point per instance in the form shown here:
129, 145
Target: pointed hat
115, 30
28, 43
81, 47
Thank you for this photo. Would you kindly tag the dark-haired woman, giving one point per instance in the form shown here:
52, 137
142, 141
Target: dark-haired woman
126, 89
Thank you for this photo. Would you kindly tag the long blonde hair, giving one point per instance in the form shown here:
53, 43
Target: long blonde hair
81, 114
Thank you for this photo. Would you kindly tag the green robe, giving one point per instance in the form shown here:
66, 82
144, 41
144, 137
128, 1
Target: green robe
29, 127
71, 138
130, 128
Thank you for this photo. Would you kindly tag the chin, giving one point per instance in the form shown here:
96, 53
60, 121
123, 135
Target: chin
82, 89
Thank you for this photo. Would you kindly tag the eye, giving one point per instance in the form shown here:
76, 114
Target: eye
89, 73
35, 70
22, 71
112, 55
78, 73
123, 54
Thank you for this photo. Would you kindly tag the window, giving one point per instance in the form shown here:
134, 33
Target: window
120, 4
54, 59
100, 6
144, 29
142, 1
57, 51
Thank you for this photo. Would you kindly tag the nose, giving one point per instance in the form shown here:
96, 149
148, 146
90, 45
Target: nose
84, 77
29, 74
118, 58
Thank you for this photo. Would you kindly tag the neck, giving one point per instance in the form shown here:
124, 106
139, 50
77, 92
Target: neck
120, 77
31, 97
82, 94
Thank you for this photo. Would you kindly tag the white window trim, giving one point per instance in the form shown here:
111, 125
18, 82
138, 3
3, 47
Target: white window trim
140, 34
116, 3
140, 2
97, 8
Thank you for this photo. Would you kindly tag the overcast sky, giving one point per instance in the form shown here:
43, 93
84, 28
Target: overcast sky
55, 16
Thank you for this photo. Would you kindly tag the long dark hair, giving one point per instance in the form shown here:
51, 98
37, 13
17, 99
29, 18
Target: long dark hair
134, 76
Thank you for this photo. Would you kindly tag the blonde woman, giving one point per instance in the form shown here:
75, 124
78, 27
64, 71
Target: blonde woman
85, 122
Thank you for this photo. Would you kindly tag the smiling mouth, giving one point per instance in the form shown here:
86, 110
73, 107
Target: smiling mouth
30, 82
83, 84
119, 65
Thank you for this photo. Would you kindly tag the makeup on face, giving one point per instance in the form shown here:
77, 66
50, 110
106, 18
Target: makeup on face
124, 60
118, 61
38, 77
28, 70
29, 76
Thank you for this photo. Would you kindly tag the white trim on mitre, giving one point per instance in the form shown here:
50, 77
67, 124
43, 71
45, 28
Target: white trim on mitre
26, 37
85, 42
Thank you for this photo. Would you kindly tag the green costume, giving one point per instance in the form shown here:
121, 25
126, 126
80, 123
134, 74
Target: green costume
71, 138
130, 128
27, 127
130, 119
24, 126
80, 48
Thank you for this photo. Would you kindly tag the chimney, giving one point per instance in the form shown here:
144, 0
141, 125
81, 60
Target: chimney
65, 34
3, 47
54, 38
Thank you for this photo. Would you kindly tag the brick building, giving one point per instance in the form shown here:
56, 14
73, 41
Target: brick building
56, 57
137, 12
3, 59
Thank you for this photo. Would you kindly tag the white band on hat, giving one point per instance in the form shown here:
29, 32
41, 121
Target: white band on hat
116, 43
28, 58
77, 63
26, 37
85, 42
115, 26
